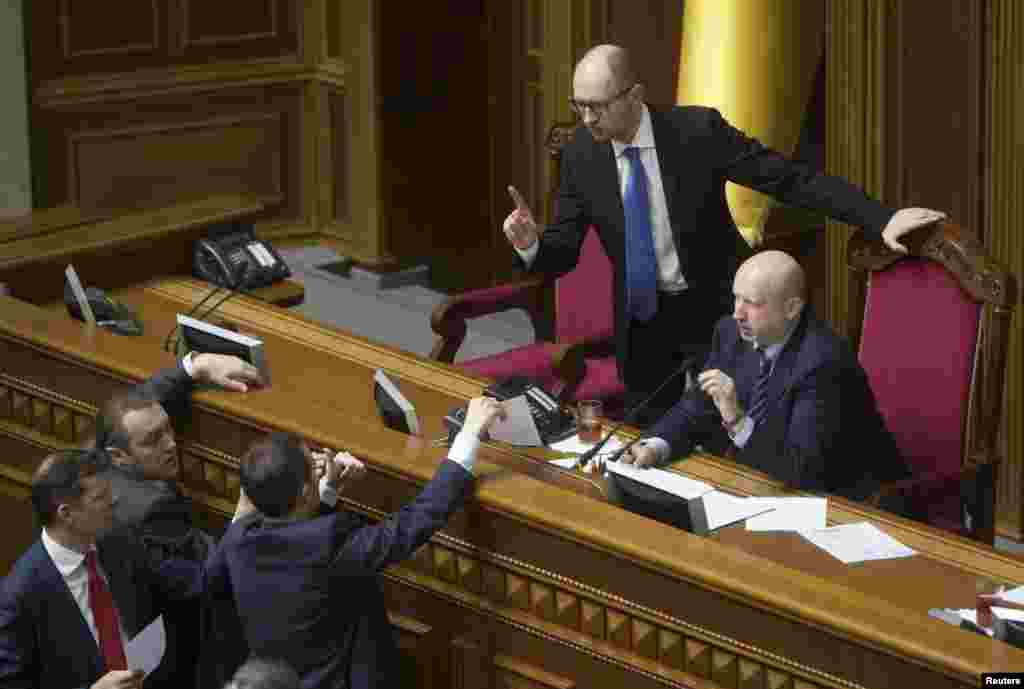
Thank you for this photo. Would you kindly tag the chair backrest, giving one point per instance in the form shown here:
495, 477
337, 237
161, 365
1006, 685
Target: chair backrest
933, 342
583, 298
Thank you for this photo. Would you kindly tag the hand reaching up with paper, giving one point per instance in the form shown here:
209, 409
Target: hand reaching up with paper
482, 413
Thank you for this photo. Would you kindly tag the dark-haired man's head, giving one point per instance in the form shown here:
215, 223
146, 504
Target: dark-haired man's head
261, 673
277, 476
134, 430
71, 498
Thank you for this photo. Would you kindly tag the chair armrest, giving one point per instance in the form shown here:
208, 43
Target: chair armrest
448, 320
568, 363
929, 484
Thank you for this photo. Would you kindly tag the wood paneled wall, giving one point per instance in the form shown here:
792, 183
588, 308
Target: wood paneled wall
924, 109
1002, 189
392, 129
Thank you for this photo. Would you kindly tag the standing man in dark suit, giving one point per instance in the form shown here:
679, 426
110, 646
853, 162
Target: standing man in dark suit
70, 603
136, 431
788, 393
305, 590
652, 182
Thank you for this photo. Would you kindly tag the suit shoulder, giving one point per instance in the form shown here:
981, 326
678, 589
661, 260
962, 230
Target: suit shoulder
693, 117
24, 575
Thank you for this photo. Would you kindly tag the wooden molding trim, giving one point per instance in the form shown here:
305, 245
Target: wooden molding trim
127, 86
187, 41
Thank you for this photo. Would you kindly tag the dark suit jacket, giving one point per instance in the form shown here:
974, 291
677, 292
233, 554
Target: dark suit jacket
44, 640
698, 151
822, 431
306, 591
161, 517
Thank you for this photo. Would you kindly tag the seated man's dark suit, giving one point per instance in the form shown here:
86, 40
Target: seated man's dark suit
45, 642
161, 517
306, 591
822, 430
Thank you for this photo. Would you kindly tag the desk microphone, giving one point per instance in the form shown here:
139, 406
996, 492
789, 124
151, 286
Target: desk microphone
238, 284
585, 458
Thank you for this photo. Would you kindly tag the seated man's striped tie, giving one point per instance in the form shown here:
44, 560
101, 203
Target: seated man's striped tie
759, 400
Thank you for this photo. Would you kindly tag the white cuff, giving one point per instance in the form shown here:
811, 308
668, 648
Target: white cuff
528, 254
742, 435
463, 450
188, 365
328, 495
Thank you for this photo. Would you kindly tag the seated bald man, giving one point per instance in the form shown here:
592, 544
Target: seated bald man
782, 391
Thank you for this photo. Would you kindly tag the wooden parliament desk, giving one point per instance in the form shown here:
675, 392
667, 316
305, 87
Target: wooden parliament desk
537, 581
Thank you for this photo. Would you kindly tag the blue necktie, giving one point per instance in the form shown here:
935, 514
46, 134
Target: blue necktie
759, 400
641, 265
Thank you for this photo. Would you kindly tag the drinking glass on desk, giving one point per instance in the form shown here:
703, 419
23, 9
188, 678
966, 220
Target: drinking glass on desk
588, 420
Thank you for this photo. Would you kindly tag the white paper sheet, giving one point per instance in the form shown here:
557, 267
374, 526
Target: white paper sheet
668, 481
146, 650
857, 542
1008, 614
722, 509
576, 446
518, 427
789, 514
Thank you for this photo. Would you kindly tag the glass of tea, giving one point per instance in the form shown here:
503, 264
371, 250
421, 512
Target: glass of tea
588, 420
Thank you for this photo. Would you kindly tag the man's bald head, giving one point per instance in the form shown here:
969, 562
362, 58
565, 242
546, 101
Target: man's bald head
770, 295
606, 94
778, 272
608, 63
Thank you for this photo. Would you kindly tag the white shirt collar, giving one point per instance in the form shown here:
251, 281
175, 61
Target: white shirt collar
66, 559
772, 351
644, 137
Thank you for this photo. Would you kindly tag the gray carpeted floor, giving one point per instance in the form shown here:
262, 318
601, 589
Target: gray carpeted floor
398, 316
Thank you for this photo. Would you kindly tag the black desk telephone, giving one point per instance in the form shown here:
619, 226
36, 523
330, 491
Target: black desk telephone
553, 424
221, 257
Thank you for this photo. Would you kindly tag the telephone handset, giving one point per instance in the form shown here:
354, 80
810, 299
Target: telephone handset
221, 260
553, 424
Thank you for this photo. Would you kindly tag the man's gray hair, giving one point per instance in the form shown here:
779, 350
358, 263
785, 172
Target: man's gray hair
264, 673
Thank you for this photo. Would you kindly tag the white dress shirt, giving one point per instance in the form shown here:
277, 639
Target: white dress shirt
670, 278
71, 565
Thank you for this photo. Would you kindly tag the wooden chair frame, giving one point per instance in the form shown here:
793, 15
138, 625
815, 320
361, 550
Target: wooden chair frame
995, 288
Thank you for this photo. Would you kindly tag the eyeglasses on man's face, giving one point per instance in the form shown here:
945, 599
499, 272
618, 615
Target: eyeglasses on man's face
598, 108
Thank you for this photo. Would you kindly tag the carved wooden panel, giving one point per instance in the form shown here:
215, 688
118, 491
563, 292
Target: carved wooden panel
158, 151
160, 164
221, 31
87, 29
418, 650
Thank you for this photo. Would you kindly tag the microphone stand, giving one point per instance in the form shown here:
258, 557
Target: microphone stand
584, 459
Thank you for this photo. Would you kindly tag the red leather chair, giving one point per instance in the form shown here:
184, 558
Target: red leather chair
933, 342
574, 360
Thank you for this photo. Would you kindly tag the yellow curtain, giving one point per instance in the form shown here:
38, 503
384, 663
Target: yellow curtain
753, 60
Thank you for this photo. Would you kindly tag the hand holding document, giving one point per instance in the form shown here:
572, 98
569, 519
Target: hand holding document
518, 426
146, 650
858, 542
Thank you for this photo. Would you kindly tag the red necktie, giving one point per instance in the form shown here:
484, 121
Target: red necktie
105, 616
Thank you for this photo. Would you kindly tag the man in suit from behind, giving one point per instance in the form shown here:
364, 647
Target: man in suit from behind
136, 431
789, 394
305, 590
71, 601
651, 180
